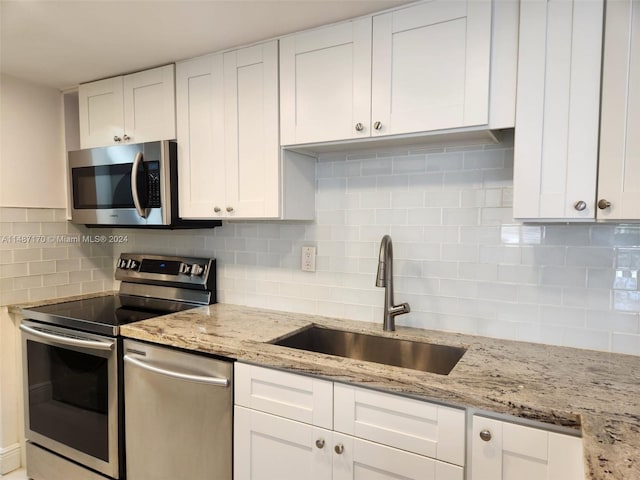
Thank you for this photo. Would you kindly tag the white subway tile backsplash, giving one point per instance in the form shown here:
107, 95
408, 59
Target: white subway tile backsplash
48, 265
445, 162
563, 316
625, 343
590, 256
461, 261
9, 215
563, 276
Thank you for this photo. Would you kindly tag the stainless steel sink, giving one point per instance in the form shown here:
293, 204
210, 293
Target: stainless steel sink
426, 357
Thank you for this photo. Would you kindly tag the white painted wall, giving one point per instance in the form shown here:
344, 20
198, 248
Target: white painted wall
11, 430
32, 155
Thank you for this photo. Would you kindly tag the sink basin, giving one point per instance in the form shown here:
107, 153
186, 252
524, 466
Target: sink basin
426, 357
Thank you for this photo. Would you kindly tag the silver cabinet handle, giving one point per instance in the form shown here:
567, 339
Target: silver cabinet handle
117, 139
485, 435
339, 448
580, 205
604, 204
320, 443
72, 341
229, 209
215, 381
143, 212
359, 127
217, 209
126, 137
377, 125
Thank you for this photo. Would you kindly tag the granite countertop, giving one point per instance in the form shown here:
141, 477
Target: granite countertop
596, 392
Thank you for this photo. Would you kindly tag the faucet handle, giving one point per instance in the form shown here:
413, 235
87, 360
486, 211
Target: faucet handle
399, 309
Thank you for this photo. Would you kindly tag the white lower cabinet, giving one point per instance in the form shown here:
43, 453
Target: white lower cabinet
364, 434
268, 447
506, 451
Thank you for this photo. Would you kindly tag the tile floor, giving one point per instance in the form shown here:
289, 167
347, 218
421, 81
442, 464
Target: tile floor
20, 474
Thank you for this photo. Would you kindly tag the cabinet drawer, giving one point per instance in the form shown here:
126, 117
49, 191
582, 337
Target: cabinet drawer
288, 395
408, 424
361, 459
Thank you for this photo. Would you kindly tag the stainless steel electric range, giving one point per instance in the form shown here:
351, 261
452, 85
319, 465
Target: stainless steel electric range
72, 362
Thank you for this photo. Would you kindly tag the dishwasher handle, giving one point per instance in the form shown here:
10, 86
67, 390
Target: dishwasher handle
214, 381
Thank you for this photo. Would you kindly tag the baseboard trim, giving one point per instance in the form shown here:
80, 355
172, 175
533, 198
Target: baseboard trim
10, 458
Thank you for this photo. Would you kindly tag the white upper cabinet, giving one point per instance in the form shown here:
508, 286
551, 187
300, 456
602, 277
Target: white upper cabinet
557, 112
619, 170
149, 105
132, 108
101, 112
252, 148
200, 128
431, 67
422, 68
325, 83
230, 165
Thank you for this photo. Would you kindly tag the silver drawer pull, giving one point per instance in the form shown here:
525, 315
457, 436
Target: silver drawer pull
339, 448
485, 435
320, 443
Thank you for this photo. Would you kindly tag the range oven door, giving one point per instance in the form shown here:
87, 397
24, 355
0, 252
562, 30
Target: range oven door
71, 394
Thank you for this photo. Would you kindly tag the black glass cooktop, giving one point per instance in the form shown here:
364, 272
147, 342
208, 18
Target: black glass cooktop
104, 315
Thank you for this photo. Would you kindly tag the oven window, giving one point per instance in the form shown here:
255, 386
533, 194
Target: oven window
68, 397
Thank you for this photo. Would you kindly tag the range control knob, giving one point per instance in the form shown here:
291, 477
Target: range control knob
122, 263
196, 270
132, 265
185, 269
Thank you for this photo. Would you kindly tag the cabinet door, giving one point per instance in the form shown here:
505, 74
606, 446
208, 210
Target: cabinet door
267, 447
431, 66
516, 452
200, 126
325, 83
251, 132
557, 112
101, 112
149, 105
619, 172
362, 460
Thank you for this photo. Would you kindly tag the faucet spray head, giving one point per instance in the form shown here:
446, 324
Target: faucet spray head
384, 257
381, 278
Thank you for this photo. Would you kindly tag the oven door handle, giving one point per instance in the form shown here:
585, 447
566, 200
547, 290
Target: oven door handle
214, 381
143, 212
76, 342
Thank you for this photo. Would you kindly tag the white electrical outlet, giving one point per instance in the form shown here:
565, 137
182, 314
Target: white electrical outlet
308, 259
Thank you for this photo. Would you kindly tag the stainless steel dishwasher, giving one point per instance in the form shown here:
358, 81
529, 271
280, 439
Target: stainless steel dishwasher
178, 414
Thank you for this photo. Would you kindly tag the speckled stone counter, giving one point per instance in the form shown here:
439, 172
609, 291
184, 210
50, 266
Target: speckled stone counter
596, 392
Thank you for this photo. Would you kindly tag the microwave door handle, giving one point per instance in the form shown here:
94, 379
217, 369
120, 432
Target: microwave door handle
143, 212
75, 342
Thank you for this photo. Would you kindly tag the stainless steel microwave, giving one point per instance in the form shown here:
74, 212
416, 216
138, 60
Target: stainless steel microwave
128, 185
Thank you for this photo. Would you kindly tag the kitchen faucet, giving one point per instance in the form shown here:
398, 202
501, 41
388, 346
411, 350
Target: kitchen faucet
384, 278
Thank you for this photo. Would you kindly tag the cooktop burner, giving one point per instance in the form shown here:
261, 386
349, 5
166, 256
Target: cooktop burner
151, 286
104, 315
